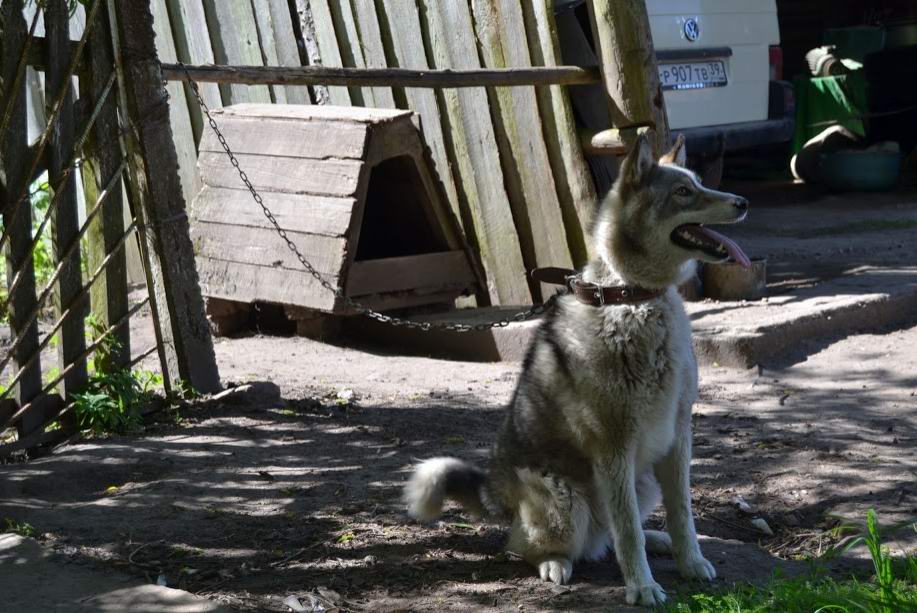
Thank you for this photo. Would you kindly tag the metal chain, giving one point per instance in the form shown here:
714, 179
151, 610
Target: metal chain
337, 291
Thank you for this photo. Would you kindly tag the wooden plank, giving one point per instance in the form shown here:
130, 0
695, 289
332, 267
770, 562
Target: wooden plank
315, 112
327, 43
486, 214
249, 283
309, 54
179, 115
371, 46
407, 48
575, 188
430, 270
383, 77
291, 175
234, 37
588, 101
287, 48
66, 225
624, 45
323, 215
533, 195
263, 247
192, 46
348, 39
264, 23
101, 160
155, 190
13, 178
282, 137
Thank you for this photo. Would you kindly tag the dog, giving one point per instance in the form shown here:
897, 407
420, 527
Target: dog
599, 427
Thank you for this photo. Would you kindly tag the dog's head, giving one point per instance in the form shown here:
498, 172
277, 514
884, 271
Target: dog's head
652, 226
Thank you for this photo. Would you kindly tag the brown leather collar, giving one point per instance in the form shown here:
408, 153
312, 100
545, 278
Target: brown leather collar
592, 294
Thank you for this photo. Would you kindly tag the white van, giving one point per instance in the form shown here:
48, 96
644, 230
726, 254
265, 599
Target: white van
719, 66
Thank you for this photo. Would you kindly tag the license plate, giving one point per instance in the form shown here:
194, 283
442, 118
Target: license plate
693, 75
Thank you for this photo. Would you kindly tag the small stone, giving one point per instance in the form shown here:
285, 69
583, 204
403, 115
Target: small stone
762, 525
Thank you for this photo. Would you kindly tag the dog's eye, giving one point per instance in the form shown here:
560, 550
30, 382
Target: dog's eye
683, 191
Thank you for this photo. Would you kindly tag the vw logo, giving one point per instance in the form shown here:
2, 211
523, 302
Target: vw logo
692, 29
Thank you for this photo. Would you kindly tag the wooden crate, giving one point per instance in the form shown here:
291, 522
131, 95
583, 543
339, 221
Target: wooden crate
354, 190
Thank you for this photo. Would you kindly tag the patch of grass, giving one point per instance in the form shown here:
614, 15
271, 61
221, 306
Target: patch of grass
18, 527
892, 589
113, 397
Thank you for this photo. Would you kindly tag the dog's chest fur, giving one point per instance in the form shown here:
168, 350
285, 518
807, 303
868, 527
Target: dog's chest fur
616, 374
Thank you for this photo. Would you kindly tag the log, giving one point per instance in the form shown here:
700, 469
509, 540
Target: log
624, 45
156, 190
386, 77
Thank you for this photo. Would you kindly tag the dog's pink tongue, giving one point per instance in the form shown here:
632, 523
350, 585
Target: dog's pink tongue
731, 246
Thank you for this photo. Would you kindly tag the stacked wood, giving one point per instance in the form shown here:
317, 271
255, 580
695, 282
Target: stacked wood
314, 167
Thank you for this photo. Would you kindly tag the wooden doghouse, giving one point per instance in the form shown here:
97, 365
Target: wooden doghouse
354, 190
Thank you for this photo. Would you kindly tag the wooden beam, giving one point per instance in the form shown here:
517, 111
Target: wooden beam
383, 77
13, 178
66, 226
624, 45
156, 191
101, 160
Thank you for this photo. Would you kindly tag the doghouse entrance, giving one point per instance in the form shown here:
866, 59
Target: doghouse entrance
397, 218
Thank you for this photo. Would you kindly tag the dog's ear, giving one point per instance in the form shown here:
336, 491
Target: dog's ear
677, 154
639, 162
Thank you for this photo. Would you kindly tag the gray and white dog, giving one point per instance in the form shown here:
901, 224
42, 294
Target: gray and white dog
600, 423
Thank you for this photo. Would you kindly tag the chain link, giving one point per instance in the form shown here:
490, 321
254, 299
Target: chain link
425, 326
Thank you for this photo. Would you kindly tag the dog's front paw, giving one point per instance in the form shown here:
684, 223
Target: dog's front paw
696, 566
557, 570
650, 595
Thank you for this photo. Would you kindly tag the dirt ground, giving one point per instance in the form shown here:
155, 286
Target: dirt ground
287, 489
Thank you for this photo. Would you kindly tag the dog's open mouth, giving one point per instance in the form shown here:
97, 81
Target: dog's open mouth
696, 237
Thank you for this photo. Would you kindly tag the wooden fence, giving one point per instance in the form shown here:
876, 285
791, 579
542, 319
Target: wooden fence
510, 159
101, 129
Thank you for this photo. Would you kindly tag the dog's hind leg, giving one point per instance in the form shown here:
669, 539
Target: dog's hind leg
551, 525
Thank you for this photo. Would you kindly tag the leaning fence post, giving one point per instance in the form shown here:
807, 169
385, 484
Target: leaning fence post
101, 161
13, 177
156, 189
624, 46
66, 226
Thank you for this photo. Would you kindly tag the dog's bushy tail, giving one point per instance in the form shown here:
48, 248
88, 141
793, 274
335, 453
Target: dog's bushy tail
438, 479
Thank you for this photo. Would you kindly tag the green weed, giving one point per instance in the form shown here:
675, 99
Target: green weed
18, 527
893, 589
